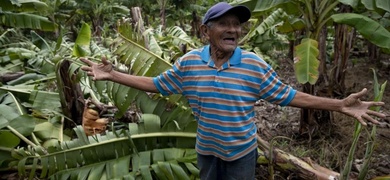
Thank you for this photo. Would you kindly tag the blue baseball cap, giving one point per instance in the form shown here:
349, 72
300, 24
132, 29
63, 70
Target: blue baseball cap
219, 9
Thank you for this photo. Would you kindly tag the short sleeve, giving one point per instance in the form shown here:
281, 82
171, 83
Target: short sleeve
170, 81
273, 90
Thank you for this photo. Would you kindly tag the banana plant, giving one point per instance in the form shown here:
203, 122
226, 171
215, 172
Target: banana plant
138, 60
263, 36
312, 15
376, 33
97, 12
143, 149
24, 14
39, 127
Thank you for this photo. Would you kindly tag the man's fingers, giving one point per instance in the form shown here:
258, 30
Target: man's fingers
86, 61
360, 119
369, 118
377, 103
361, 93
104, 61
86, 68
375, 113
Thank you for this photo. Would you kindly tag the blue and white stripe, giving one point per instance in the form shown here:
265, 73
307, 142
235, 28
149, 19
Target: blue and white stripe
223, 99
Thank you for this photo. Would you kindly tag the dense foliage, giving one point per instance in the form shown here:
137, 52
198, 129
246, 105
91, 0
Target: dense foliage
43, 94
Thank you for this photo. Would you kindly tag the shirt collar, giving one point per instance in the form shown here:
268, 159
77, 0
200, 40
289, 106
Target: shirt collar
234, 60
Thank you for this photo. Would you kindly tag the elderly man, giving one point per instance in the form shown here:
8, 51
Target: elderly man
222, 83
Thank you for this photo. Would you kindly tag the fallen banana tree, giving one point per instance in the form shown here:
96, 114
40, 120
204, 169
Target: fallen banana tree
275, 159
304, 168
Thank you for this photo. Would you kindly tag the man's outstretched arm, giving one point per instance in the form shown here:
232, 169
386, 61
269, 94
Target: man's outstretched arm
351, 105
104, 71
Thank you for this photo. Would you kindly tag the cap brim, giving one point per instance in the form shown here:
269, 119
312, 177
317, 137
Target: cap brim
242, 12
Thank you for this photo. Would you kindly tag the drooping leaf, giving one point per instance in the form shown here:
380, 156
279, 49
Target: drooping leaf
265, 25
153, 45
368, 28
180, 37
352, 3
39, 41
24, 20
83, 41
142, 61
306, 62
292, 25
374, 5
263, 5
383, 4
23, 6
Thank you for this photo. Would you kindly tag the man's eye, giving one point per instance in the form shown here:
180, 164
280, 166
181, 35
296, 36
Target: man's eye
222, 23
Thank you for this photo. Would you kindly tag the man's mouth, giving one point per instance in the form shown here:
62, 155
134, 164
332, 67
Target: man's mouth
229, 40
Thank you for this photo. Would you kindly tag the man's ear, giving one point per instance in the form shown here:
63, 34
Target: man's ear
204, 31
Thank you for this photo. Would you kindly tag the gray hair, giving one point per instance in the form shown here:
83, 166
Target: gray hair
210, 23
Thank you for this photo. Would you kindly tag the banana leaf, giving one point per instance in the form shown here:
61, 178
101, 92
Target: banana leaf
112, 153
368, 28
305, 62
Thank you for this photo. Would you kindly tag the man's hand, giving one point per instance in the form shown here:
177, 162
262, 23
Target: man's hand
97, 71
353, 106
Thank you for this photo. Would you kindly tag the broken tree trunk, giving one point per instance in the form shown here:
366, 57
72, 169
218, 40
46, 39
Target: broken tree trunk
138, 23
71, 95
305, 169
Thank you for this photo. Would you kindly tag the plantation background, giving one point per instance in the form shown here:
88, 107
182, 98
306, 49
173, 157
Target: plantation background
55, 122
330, 143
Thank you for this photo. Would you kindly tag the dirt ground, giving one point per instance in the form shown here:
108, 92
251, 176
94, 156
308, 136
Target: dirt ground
330, 143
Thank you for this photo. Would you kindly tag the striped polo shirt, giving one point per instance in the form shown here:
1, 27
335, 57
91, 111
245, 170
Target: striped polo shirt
222, 99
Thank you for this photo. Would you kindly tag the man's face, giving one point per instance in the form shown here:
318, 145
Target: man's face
224, 32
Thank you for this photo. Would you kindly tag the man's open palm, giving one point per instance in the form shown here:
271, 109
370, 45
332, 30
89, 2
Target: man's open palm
354, 107
97, 71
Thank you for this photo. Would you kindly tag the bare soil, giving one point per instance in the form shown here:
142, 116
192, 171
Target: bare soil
330, 143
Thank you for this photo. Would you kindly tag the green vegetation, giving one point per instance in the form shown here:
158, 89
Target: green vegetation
43, 92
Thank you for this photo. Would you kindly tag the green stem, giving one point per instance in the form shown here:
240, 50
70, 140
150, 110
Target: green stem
21, 136
368, 154
135, 136
34, 138
348, 165
6, 149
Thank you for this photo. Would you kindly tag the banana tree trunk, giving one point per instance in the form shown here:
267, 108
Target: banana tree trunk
72, 98
308, 123
195, 24
138, 22
344, 40
373, 53
305, 169
323, 78
311, 118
